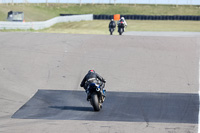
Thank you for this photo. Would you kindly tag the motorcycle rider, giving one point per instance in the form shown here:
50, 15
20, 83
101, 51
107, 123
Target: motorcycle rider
112, 25
92, 77
122, 20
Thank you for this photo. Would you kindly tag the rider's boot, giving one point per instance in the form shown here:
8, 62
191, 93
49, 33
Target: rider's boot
103, 95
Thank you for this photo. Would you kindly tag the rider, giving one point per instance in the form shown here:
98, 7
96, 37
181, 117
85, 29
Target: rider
112, 24
122, 20
92, 77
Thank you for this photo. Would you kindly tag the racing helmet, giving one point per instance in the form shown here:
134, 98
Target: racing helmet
91, 71
122, 18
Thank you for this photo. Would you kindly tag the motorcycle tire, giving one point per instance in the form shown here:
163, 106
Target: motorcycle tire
111, 33
121, 31
95, 102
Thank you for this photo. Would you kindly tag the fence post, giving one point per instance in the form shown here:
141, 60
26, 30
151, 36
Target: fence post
80, 2
176, 3
47, 3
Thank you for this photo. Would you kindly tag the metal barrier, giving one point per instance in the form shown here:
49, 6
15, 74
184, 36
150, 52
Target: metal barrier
151, 17
44, 24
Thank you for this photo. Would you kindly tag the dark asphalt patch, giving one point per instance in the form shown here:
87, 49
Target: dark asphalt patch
118, 106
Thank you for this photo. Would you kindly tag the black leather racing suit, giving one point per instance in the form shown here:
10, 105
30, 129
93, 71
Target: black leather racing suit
112, 24
92, 77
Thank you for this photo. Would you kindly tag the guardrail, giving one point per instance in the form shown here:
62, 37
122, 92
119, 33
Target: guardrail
44, 24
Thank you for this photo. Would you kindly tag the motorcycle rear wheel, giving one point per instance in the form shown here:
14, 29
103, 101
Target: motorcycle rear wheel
121, 31
95, 102
111, 31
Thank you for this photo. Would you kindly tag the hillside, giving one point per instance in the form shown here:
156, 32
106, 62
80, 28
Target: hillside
41, 12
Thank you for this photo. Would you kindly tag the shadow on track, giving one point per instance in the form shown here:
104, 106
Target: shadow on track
74, 108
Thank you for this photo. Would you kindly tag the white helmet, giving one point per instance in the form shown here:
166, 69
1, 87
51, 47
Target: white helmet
122, 18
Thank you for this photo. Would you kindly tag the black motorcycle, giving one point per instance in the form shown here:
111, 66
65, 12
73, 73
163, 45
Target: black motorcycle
121, 28
112, 26
96, 98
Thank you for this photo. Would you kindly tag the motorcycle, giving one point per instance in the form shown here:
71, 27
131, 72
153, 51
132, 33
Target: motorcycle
121, 28
96, 99
111, 30
112, 26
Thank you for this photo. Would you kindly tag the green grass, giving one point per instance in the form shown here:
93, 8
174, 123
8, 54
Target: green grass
101, 26
41, 12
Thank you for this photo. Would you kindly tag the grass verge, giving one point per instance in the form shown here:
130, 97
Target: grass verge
101, 26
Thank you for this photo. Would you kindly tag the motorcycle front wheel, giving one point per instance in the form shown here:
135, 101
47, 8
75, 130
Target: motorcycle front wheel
95, 102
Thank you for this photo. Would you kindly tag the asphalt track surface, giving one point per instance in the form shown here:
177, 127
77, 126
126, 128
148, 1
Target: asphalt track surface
119, 106
152, 82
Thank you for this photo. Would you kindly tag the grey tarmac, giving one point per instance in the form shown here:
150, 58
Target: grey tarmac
119, 106
132, 65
